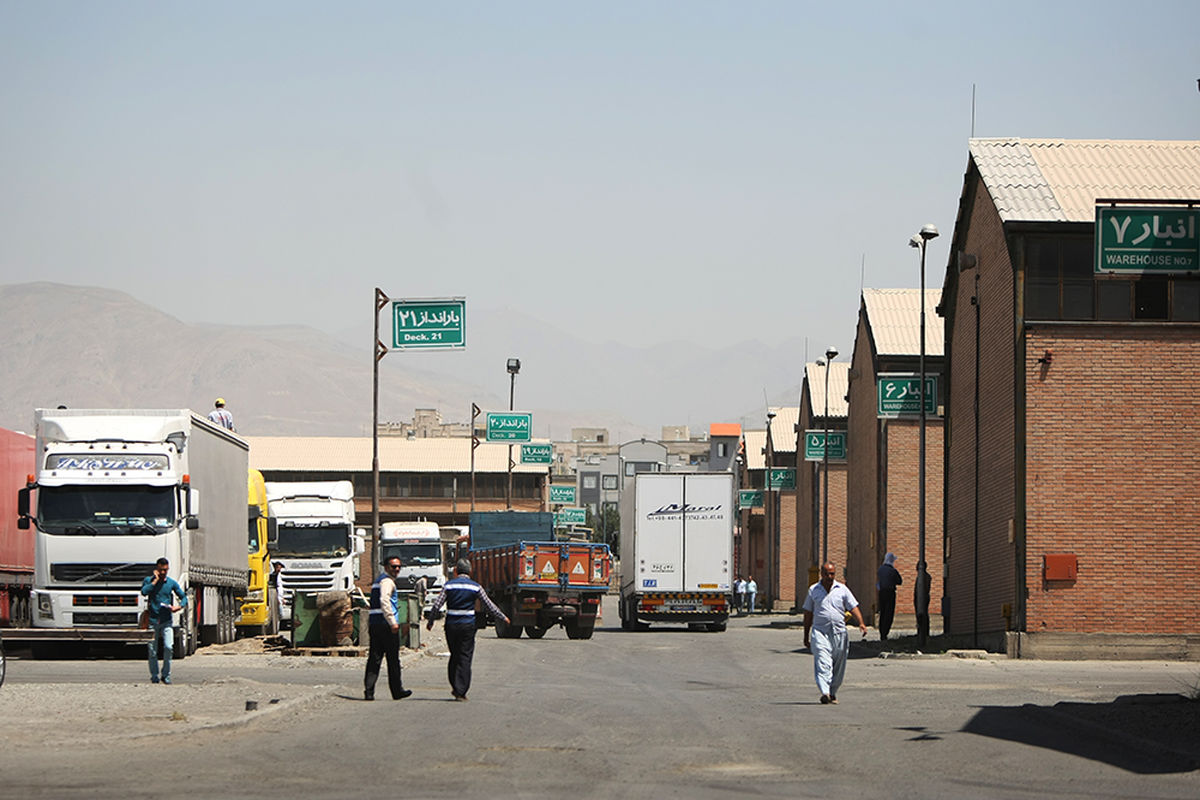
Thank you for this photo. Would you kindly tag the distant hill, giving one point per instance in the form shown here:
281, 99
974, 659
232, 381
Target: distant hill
90, 347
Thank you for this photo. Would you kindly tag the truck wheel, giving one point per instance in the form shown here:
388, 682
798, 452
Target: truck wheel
534, 632
505, 631
577, 631
3, 663
628, 623
717, 627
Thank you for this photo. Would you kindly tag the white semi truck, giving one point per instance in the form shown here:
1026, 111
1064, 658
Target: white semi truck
116, 489
316, 541
677, 549
419, 546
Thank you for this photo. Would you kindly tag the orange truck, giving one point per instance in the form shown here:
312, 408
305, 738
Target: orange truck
537, 581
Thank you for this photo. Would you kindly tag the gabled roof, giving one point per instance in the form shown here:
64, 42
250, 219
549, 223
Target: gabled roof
894, 322
839, 386
783, 428
1059, 180
755, 442
396, 454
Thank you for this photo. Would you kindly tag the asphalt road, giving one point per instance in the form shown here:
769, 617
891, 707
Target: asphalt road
659, 713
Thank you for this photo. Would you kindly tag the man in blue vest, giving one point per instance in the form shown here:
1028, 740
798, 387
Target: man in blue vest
384, 628
458, 598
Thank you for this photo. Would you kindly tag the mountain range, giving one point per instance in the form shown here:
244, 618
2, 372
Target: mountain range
92, 347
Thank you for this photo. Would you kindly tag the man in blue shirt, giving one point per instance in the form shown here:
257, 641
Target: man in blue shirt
161, 591
458, 598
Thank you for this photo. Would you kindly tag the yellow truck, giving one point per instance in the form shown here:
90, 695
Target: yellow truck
259, 608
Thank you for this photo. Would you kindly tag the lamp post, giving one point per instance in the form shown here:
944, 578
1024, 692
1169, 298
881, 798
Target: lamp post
920, 240
769, 515
514, 366
830, 354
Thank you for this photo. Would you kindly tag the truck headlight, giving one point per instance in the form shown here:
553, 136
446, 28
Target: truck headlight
45, 609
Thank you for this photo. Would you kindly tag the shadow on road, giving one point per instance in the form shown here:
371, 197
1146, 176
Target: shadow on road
1146, 734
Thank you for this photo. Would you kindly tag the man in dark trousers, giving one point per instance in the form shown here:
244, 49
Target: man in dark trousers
887, 579
384, 627
458, 598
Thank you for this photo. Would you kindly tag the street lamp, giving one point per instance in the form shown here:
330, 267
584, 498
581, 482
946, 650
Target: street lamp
830, 354
770, 517
920, 240
514, 366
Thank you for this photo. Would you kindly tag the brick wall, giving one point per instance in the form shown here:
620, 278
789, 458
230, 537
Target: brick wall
902, 445
864, 527
1112, 431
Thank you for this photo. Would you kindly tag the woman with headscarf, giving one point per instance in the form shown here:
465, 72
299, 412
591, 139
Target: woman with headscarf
887, 579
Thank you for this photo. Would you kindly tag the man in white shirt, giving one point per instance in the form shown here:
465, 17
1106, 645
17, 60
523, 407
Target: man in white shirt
825, 616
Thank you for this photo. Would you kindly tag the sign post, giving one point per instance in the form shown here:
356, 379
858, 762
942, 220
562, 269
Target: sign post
1147, 239
814, 445
562, 494
536, 453
509, 426
429, 324
899, 395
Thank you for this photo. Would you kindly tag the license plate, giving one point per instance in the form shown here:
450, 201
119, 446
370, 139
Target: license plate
683, 608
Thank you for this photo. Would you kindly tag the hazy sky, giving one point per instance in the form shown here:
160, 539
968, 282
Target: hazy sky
637, 171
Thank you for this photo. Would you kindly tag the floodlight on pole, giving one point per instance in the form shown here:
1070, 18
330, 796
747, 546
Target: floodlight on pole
921, 596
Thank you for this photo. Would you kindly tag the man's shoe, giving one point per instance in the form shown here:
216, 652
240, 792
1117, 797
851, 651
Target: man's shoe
166, 680
458, 696
825, 700
368, 695
154, 679
833, 698
403, 694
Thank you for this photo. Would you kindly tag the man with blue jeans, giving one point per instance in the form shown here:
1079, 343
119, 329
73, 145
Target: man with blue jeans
825, 611
161, 591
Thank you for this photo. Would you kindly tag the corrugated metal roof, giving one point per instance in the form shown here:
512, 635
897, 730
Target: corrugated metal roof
756, 441
783, 428
839, 386
353, 454
1059, 180
894, 317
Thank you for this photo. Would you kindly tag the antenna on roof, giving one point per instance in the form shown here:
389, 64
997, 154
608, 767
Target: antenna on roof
972, 111
862, 274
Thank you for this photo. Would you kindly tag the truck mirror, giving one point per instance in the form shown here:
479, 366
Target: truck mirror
193, 522
272, 532
23, 523
23, 502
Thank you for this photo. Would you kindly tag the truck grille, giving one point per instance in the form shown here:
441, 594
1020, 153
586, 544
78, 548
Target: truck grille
100, 573
317, 581
101, 618
103, 600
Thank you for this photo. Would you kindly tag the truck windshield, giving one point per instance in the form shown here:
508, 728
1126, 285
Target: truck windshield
414, 555
299, 541
107, 510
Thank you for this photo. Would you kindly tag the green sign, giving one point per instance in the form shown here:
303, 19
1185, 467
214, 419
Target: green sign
900, 395
814, 445
429, 324
781, 478
562, 494
509, 426
1147, 239
536, 454
570, 516
750, 498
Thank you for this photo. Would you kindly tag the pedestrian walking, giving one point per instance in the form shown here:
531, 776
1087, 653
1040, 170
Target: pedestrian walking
887, 579
751, 592
825, 610
458, 597
739, 595
160, 591
220, 415
384, 627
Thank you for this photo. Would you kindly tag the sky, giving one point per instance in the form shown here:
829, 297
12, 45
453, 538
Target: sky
636, 172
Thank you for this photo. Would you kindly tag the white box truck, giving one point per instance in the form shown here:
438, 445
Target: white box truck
419, 546
316, 541
677, 549
116, 489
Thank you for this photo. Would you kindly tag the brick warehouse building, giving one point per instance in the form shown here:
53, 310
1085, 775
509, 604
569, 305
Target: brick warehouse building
810, 532
1072, 527
769, 532
884, 449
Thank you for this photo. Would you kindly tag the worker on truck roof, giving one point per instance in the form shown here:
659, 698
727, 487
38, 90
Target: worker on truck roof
220, 415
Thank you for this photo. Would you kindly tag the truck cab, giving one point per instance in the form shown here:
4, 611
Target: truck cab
418, 544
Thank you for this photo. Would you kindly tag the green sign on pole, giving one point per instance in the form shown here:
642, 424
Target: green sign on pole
750, 498
562, 494
899, 395
429, 324
570, 516
1147, 239
509, 426
536, 453
781, 478
814, 445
